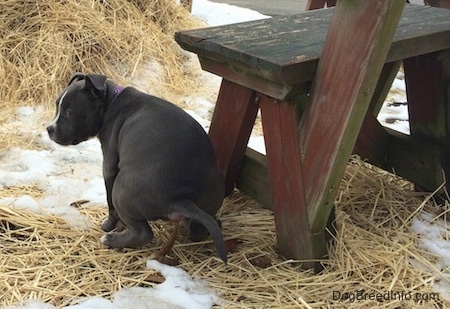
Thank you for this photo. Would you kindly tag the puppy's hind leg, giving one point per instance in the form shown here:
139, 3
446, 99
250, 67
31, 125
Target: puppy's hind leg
136, 234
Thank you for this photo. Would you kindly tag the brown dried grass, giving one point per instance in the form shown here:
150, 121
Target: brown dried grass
373, 251
42, 43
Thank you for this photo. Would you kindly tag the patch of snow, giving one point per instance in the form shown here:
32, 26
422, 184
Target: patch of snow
394, 112
435, 238
216, 14
178, 291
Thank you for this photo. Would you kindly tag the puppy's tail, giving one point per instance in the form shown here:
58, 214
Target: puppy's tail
190, 210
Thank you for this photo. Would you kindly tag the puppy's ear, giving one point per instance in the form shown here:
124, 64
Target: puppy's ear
96, 84
76, 76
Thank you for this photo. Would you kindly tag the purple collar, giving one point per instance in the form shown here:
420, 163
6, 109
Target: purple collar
117, 91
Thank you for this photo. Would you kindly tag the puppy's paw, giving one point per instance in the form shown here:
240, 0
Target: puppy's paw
108, 240
126, 239
103, 239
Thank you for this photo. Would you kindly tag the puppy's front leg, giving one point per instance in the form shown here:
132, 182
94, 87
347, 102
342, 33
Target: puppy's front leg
109, 174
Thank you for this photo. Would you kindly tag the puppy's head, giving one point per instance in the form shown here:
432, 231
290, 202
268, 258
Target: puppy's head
79, 110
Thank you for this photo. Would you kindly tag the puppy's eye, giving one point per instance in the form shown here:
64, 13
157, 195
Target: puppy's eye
68, 112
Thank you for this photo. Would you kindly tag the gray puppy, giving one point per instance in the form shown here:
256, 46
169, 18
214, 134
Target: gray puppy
158, 162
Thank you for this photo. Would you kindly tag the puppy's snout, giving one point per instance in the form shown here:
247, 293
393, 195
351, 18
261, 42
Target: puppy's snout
51, 129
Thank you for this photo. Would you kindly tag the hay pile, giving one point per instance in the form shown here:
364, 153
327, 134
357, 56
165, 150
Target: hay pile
43, 42
373, 252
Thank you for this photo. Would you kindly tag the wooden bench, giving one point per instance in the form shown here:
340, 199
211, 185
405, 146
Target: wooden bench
316, 113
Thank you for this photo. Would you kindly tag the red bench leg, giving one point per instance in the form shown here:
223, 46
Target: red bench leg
426, 99
428, 95
345, 80
280, 124
231, 126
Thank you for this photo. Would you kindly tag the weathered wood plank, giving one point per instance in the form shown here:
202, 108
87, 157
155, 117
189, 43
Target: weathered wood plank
372, 143
418, 160
246, 78
231, 126
280, 125
254, 178
427, 86
347, 73
286, 49
384, 85
428, 111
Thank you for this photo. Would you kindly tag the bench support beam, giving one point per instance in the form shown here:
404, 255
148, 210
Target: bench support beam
347, 73
280, 124
238, 104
